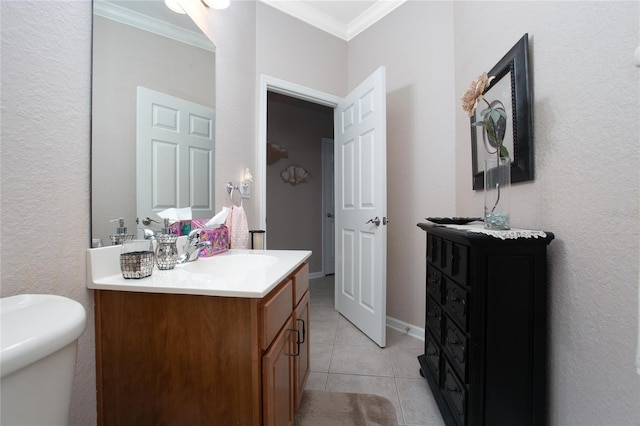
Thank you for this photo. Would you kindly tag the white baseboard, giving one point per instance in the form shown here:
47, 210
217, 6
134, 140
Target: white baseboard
404, 327
396, 324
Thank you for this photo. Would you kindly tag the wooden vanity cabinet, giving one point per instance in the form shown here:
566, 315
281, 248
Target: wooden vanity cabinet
301, 318
200, 360
285, 365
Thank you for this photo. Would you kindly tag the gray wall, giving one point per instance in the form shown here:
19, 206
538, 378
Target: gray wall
586, 126
294, 213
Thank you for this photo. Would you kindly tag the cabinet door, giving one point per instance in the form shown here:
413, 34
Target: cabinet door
302, 366
278, 378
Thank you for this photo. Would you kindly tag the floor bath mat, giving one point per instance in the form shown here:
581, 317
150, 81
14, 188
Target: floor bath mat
322, 408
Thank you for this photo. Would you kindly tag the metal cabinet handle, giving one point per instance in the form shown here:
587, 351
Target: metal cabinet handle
304, 330
297, 342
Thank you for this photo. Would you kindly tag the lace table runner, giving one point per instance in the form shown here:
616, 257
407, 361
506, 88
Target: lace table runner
510, 234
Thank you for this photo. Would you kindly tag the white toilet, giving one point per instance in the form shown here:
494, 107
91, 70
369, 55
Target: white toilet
39, 336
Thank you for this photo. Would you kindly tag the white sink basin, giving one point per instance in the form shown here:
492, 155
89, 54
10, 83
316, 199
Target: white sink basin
230, 264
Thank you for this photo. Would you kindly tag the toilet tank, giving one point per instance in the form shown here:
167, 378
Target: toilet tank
38, 339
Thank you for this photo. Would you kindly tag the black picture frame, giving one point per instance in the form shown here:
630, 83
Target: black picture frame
511, 87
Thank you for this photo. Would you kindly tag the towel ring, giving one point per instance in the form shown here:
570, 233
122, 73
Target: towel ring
230, 188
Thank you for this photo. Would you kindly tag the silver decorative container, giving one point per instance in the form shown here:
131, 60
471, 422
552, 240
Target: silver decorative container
166, 251
136, 259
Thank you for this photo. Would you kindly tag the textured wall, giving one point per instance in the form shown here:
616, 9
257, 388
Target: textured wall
46, 88
586, 188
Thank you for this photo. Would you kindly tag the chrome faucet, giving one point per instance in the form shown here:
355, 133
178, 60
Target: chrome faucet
192, 247
149, 234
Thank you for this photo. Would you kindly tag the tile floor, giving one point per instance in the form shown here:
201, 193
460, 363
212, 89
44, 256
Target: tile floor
343, 359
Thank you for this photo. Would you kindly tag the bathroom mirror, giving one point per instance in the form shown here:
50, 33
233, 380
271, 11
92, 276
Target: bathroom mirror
143, 44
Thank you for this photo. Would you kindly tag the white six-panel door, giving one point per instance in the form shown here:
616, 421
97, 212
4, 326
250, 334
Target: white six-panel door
361, 207
174, 158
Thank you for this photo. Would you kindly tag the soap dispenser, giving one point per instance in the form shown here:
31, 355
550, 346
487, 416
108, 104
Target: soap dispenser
121, 233
166, 249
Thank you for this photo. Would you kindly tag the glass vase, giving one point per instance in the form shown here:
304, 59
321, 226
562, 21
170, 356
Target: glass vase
497, 185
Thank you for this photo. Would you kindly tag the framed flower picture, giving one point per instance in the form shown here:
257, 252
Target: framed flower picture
509, 90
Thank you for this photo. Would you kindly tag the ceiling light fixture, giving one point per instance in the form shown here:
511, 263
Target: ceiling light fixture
175, 6
217, 4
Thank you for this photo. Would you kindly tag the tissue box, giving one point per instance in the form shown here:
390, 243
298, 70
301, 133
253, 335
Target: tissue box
183, 227
219, 239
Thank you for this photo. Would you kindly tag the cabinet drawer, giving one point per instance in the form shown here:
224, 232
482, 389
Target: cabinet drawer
456, 395
456, 303
434, 283
274, 311
456, 344
434, 246
432, 354
300, 283
454, 261
434, 319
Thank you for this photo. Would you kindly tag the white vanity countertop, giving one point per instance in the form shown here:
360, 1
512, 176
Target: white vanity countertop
234, 274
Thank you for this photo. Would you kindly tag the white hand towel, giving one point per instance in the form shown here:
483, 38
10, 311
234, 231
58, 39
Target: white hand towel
238, 228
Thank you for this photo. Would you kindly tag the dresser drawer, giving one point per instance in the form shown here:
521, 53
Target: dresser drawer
432, 354
455, 262
456, 344
434, 248
456, 395
456, 303
274, 312
434, 319
434, 283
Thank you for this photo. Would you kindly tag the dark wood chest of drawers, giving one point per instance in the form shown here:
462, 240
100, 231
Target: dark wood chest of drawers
485, 335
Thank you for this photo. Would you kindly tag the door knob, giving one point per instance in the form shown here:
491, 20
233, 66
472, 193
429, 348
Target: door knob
375, 221
329, 215
147, 221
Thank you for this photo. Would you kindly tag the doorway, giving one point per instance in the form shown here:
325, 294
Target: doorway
274, 85
297, 131
360, 131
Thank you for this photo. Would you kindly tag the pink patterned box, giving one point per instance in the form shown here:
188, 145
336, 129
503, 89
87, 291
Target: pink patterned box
219, 239
183, 227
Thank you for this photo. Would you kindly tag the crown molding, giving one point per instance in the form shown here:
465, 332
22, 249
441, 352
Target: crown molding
321, 20
156, 26
372, 15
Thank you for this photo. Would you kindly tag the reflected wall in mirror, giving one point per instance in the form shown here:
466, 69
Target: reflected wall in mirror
144, 44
